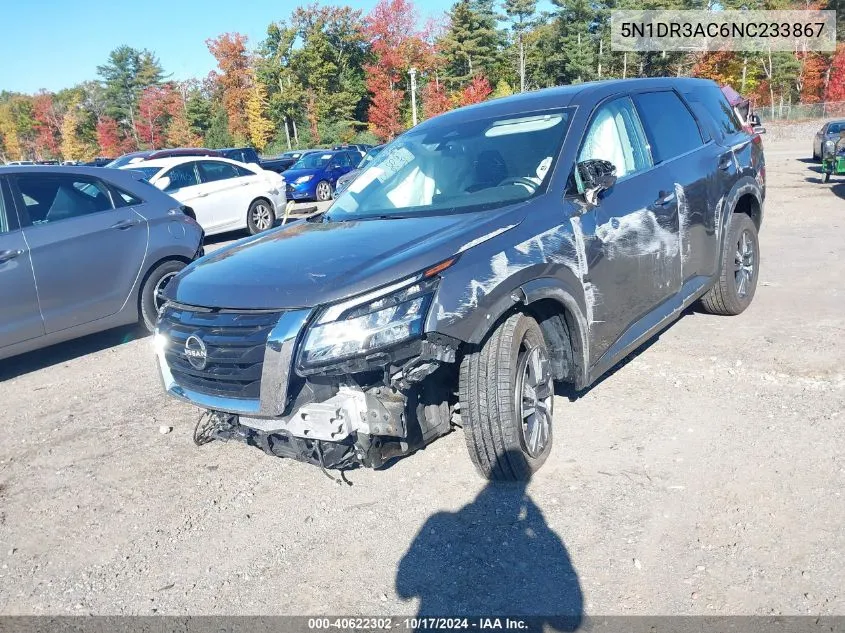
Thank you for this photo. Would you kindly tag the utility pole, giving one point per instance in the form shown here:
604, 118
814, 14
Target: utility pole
413, 73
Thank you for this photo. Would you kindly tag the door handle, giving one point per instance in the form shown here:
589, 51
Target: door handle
124, 224
5, 256
664, 198
725, 162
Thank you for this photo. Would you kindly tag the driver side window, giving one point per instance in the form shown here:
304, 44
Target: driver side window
616, 135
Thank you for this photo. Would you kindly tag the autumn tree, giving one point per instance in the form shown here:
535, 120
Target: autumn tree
73, 147
475, 91
233, 80
108, 137
179, 132
154, 108
435, 99
260, 127
836, 84
10, 144
48, 125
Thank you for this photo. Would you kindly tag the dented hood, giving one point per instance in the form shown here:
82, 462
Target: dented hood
307, 264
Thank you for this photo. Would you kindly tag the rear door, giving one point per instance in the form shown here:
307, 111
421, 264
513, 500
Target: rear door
86, 255
677, 145
20, 317
633, 229
229, 190
185, 186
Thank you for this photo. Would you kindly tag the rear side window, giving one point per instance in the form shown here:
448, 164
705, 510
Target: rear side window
123, 198
714, 102
182, 176
57, 197
669, 125
4, 219
212, 171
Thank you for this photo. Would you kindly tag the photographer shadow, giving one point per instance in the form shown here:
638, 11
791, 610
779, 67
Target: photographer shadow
495, 557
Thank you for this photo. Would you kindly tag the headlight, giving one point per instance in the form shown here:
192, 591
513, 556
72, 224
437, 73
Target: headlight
354, 328
302, 179
829, 148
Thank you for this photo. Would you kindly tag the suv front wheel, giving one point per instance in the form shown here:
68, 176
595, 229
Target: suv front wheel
507, 396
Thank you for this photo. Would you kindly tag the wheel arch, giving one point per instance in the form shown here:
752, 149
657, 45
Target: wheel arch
149, 270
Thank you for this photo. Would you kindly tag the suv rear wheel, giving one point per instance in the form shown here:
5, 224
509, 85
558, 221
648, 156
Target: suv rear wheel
737, 281
507, 395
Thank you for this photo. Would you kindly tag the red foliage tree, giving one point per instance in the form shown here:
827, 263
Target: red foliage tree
47, 124
836, 84
153, 114
476, 91
435, 100
811, 77
108, 137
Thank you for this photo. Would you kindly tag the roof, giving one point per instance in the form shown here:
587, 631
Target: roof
172, 161
561, 97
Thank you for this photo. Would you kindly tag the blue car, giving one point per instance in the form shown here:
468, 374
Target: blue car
315, 175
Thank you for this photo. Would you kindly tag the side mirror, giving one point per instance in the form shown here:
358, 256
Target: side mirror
594, 176
163, 182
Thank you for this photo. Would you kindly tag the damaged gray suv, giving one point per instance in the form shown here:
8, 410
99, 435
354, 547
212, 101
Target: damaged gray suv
484, 258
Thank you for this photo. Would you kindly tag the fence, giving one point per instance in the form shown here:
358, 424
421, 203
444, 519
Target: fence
801, 111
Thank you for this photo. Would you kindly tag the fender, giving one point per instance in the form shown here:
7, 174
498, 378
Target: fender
745, 185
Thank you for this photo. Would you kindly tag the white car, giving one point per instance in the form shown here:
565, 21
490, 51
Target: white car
224, 195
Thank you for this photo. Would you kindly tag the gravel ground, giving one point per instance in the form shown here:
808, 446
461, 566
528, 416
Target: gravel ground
705, 476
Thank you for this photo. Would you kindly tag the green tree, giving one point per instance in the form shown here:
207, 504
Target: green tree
124, 77
471, 45
218, 134
521, 14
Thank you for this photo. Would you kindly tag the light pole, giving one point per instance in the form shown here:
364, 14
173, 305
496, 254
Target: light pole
413, 72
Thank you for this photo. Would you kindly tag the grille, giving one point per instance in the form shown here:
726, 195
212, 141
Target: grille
235, 344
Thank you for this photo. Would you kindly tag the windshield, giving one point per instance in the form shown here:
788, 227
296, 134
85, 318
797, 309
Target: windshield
457, 166
835, 128
313, 161
148, 172
369, 157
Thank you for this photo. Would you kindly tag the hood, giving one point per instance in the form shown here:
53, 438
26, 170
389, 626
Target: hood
293, 174
306, 264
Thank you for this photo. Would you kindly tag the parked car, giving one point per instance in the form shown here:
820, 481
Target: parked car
282, 163
344, 181
47, 162
83, 250
830, 131
137, 157
313, 177
222, 194
100, 161
244, 155
21, 162
361, 148
484, 257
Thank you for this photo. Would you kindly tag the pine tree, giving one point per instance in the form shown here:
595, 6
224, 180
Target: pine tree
470, 46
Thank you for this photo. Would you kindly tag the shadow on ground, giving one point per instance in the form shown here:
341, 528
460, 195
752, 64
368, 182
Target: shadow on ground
495, 557
70, 350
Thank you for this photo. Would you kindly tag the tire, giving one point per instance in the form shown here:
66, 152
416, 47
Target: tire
260, 216
324, 191
497, 437
154, 282
740, 268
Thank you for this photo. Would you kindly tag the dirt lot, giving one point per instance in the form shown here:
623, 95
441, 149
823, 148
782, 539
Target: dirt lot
703, 477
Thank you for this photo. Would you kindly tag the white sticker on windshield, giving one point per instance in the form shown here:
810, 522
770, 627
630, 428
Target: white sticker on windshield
394, 161
326, 156
543, 167
359, 184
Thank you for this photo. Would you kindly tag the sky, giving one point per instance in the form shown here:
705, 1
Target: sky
55, 44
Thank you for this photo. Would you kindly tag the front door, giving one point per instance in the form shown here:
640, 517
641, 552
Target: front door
20, 318
86, 255
228, 192
630, 237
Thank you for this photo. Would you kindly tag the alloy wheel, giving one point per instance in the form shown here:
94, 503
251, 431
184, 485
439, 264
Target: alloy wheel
158, 291
534, 397
262, 217
324, 191
744, 264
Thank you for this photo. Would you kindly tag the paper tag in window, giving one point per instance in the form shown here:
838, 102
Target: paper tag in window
394, 161
543, 168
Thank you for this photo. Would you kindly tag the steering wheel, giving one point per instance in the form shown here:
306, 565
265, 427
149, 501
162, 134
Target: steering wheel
519, 180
